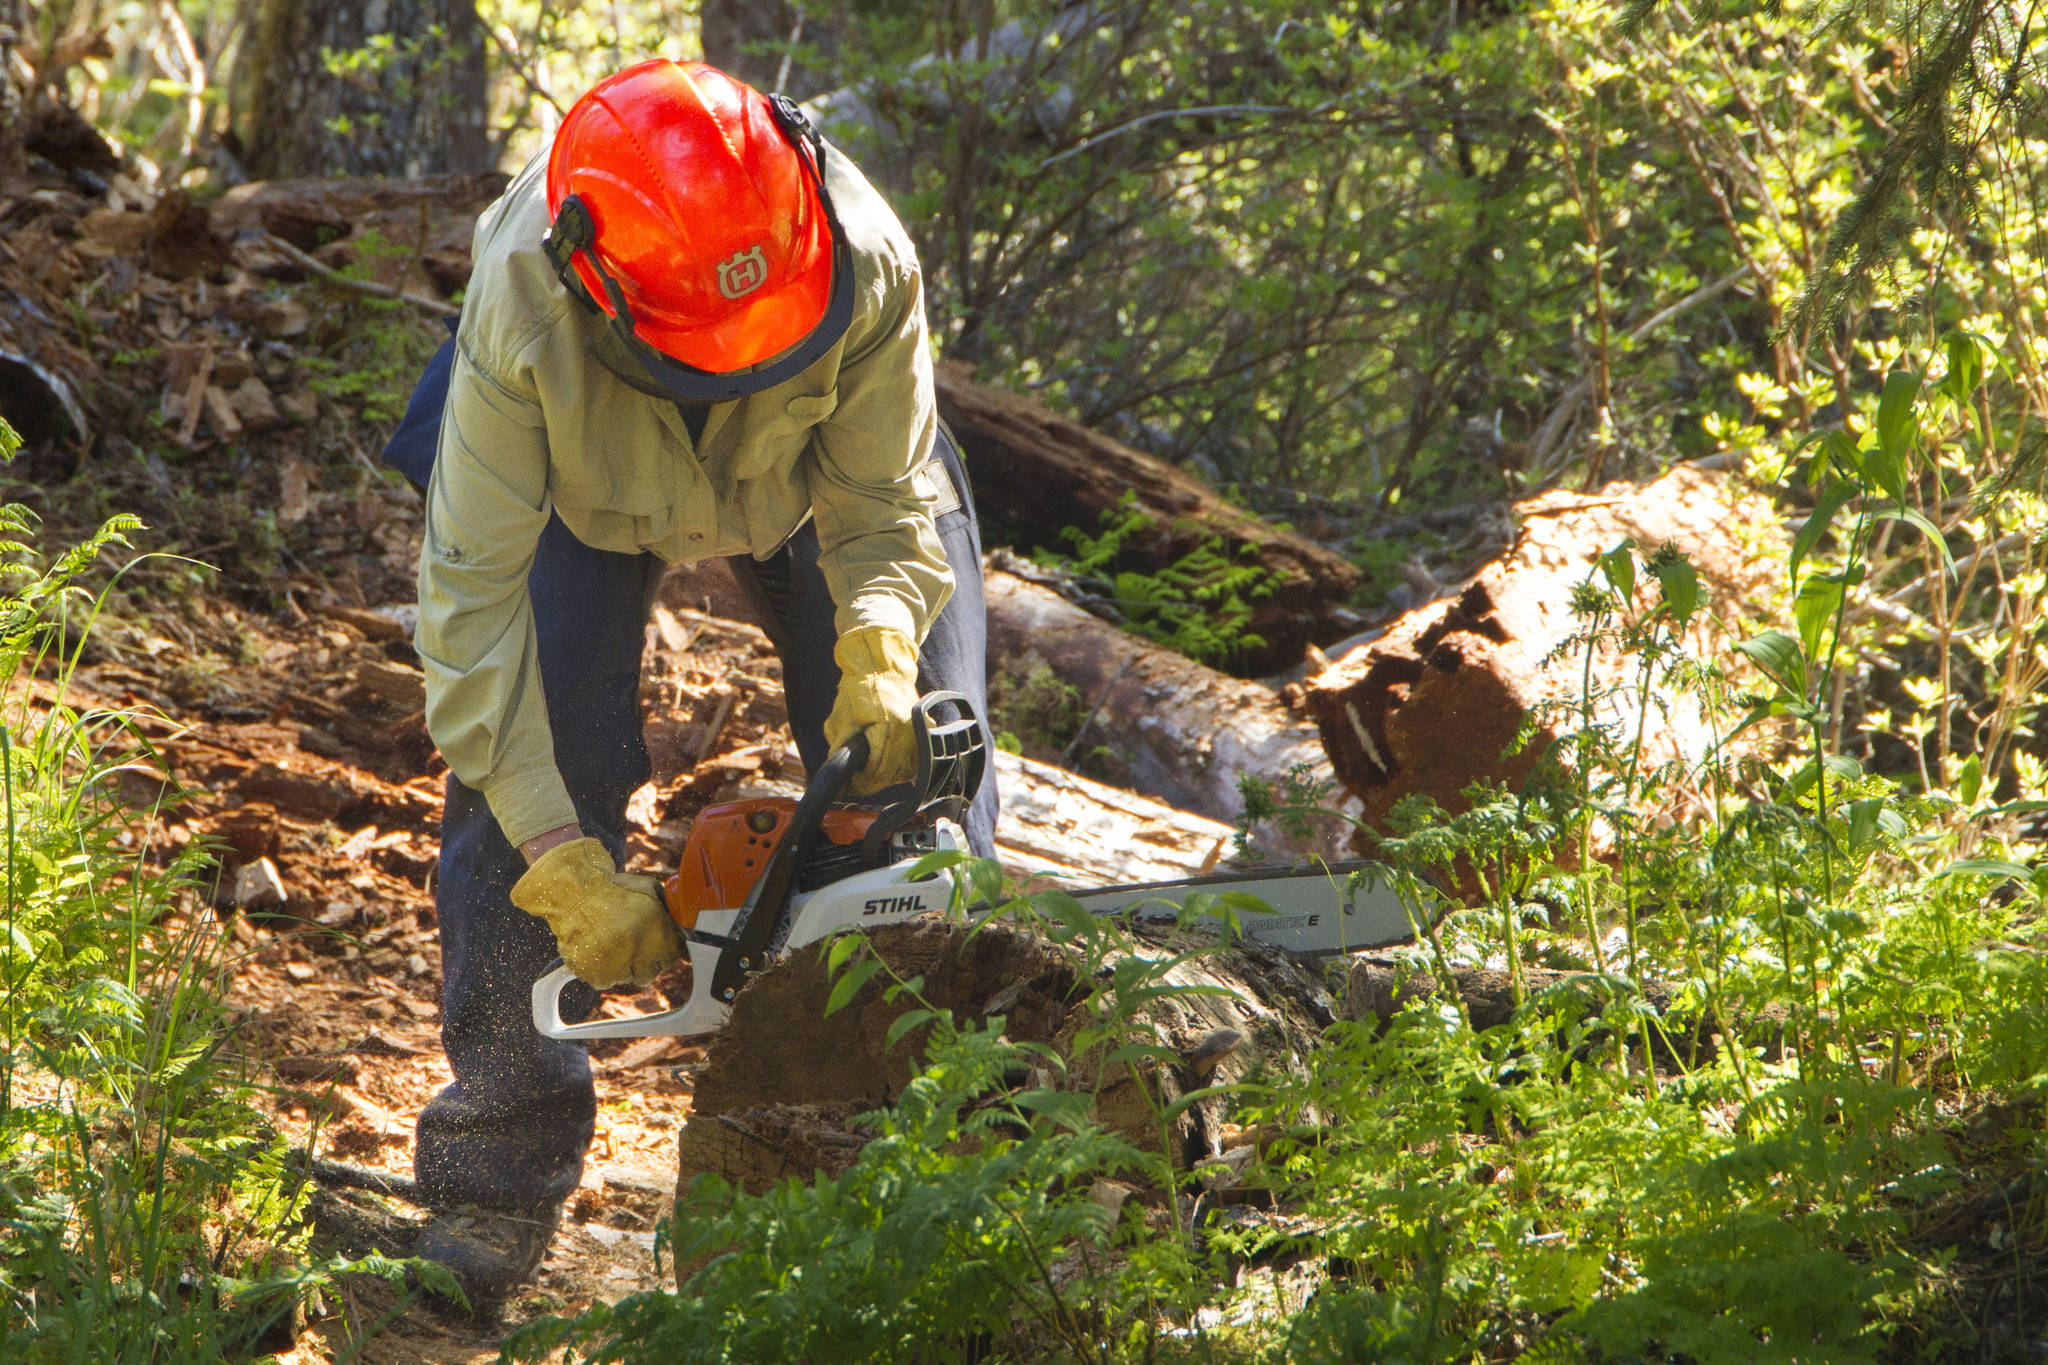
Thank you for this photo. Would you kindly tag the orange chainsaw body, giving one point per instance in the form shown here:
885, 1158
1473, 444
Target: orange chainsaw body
729, 848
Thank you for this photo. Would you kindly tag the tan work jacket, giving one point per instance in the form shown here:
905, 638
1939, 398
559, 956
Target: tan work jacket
535, 425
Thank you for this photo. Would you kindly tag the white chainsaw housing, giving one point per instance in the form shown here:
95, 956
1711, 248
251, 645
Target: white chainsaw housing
881, 895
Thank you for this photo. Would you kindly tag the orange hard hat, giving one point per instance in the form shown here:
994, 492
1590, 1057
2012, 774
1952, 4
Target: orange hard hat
691, 210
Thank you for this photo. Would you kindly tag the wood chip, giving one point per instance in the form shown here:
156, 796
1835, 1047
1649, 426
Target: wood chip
405, 688
220, 410
294, 486
285, 317
301, 972
195, 396
675, 636
643, 807
644, 1052
375, 625
375, 1044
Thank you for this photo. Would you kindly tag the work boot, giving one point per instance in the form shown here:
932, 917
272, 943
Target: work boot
490, 1252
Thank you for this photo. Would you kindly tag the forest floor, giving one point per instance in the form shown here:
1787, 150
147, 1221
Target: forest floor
271, 673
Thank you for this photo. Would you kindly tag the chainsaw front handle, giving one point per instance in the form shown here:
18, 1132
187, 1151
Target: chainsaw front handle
700, 1015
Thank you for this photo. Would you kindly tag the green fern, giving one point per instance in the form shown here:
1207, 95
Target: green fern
1200, 605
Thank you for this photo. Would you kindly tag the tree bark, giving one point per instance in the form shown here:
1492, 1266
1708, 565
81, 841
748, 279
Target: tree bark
1036, 473
782, 1085
14, 100
734, 34
389, 87
1163, 724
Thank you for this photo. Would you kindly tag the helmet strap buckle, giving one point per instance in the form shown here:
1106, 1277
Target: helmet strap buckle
572, 231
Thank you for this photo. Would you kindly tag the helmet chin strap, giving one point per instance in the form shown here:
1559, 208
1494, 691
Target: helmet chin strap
662, 376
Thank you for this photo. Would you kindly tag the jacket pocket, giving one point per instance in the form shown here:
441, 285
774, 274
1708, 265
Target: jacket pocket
773, 437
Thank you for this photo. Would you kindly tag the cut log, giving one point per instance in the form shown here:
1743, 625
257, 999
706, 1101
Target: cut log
1163, 724
1062, 829
1437, 702
782, 1085
1036, 473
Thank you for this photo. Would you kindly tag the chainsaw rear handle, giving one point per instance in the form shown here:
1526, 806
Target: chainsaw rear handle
951, 758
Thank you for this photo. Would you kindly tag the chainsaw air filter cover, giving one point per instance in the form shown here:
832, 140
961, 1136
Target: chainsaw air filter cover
730, 845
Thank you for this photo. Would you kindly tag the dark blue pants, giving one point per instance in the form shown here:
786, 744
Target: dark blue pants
512, 1129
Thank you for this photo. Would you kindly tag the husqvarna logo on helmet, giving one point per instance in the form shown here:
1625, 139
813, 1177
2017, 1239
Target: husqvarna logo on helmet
743, 274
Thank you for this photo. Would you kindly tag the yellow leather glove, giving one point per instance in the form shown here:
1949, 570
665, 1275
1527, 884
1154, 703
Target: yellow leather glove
612, 927
877, 693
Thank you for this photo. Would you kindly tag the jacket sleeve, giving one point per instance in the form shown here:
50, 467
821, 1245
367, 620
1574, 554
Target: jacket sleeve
486, 506
878, 549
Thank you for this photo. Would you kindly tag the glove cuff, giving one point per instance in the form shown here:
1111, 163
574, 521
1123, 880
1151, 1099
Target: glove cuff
563, 876
871, 650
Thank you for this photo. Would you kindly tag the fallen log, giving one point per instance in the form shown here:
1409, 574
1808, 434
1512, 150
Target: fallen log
1061, 829
1036, 473
1174, 734
1440, 699
1155, 721
783, 1086
429, 218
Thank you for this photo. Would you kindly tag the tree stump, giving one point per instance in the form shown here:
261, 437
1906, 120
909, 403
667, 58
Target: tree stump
783, 1085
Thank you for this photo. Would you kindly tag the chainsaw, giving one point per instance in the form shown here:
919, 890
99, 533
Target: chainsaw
759, 878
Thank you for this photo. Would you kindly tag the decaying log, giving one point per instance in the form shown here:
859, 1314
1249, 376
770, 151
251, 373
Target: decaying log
1035, 473
1379, 988
1172, 729
782, 1084
1437, 701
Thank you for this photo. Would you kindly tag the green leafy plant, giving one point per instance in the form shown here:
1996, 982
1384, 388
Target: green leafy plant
148, 1212
1199, 605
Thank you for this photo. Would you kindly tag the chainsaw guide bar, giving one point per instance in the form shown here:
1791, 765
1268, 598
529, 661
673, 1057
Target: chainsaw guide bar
804, 871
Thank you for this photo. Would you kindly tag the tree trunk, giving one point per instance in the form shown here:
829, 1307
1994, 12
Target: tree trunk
1061, 829
14, 100
782, 1084
735, 34
332, 99
1156, 721
1036, 473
